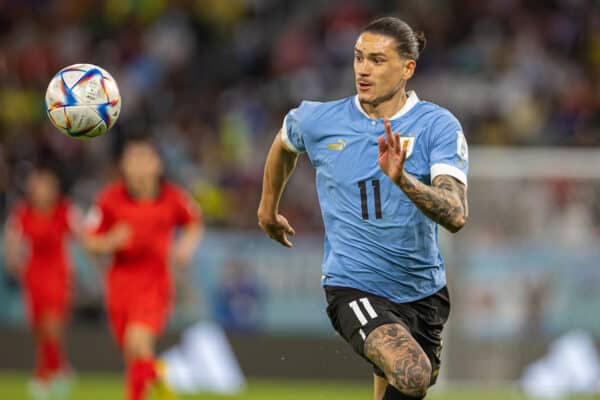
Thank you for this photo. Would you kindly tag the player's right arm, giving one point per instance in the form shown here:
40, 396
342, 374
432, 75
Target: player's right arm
445, 200
103, 234
279, 165
109, 242
14, 246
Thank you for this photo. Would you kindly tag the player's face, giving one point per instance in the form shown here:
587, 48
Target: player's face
380, 72
141, 166
42, 189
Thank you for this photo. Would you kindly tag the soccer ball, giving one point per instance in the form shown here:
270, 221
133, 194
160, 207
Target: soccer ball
83, 101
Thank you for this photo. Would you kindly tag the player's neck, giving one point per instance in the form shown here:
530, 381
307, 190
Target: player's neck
386, 108
144, 192
43, 208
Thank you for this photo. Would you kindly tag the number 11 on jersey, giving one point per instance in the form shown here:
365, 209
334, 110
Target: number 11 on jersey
363, 198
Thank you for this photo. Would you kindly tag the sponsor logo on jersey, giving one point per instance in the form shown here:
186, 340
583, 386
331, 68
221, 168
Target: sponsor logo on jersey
339, 146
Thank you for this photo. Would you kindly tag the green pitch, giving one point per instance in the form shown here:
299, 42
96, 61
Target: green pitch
102, 387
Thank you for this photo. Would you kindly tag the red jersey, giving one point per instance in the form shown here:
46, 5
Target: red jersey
139, 287
47, 274
46, 234
152, 223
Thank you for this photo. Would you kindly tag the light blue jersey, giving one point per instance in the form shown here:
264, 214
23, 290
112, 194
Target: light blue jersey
376, 240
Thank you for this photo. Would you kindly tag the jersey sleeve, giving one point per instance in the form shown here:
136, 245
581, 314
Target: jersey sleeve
186, 210
292, 130
100, 218
449, 150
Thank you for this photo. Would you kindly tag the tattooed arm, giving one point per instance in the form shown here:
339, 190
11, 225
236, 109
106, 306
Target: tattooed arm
445, 202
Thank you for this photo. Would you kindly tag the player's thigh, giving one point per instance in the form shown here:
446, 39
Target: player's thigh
394, 350
151, 313
354, 314
46, 310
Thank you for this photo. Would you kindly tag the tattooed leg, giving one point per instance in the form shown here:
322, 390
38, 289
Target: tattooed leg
395, 351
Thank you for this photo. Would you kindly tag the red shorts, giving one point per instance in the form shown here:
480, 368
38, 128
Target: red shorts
149, 304
46, 297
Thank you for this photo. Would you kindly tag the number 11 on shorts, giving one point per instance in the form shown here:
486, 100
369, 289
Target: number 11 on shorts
359, 313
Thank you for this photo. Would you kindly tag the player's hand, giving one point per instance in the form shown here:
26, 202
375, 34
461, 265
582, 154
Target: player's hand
277, 229
119, 236
181, 258
391, 153
15, 271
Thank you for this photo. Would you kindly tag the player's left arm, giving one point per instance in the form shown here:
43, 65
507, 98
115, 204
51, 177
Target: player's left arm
445, 201
186, 243
189, 219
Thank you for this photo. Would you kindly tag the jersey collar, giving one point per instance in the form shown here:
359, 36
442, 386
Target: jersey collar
411, 100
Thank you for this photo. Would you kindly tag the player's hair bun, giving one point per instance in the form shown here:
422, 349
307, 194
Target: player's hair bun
420, 36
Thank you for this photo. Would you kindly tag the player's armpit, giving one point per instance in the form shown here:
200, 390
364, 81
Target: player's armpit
445, 202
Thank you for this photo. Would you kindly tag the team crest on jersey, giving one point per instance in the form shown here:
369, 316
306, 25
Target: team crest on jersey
408, 143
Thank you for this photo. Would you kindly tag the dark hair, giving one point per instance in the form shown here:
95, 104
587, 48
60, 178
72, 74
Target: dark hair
410, 44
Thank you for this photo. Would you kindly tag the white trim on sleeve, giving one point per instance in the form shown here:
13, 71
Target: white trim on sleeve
446, 169
287, 143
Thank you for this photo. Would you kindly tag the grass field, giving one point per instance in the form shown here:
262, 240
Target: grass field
108, 387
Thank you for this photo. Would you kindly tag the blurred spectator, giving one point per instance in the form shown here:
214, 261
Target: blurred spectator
212, 79
238, 299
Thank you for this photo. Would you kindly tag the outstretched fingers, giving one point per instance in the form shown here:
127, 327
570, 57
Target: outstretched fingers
397, 142
388, 133
382, 145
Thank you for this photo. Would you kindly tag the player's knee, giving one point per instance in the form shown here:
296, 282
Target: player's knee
135, 350
412, 378
137, 346
49, 327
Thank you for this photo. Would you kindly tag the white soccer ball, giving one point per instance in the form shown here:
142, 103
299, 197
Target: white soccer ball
83, 101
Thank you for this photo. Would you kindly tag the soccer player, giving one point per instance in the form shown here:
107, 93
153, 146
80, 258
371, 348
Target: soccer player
389, 169
36, 255
134, 220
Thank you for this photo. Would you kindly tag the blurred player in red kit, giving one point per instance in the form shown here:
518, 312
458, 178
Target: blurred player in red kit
36, 255
134, 220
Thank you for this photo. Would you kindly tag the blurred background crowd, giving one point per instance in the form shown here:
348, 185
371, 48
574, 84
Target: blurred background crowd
212, 80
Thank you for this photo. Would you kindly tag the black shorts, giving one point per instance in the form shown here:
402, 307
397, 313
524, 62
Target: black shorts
354, 314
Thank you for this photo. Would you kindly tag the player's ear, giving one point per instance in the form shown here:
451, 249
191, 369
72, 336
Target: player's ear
408, 69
